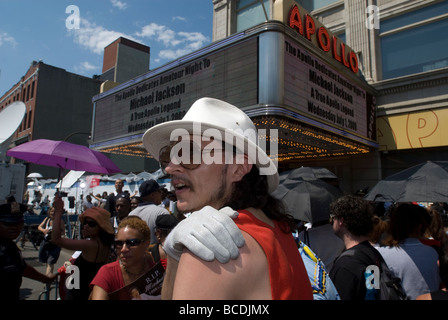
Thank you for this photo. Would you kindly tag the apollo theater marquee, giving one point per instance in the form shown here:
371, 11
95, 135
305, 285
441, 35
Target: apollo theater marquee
290, 74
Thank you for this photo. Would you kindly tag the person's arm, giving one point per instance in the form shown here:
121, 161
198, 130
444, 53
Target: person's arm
62, 228
99, 293
425, 296
205, 279
71, 244
245, 277
41, 227
97, 198
168, 280
32, 273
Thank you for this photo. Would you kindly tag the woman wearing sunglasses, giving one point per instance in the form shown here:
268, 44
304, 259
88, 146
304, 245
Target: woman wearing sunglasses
134, 260
95, 245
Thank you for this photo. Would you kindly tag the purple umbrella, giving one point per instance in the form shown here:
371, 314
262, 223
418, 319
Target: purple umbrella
63, 155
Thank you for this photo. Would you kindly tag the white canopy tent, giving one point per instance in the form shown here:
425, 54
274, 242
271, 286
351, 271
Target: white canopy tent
76, 184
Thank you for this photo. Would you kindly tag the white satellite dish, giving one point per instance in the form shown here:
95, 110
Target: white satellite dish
10, 119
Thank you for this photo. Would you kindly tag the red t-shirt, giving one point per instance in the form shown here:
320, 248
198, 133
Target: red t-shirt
109, 277
287, 274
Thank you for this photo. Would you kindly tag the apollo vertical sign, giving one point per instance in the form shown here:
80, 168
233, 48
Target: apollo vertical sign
305, 26
323, 83
315, 88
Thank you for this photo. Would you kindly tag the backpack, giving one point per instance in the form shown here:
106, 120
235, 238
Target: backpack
390, 286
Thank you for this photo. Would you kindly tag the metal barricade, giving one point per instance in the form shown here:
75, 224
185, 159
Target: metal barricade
30, 232
72, 225
46, 294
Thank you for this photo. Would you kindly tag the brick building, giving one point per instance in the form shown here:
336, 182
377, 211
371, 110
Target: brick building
58, 107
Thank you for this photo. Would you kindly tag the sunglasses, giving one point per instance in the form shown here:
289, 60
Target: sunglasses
332, 218
130, 243
188, 154
90, 223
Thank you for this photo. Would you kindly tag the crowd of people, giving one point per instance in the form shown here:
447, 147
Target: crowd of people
399, 238
237, 241
100, 242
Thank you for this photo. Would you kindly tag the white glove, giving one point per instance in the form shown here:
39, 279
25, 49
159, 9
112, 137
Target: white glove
208, 234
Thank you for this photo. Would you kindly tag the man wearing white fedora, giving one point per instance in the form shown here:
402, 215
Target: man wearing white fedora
217, 167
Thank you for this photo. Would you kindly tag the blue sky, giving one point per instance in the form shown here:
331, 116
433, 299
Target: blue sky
42, 30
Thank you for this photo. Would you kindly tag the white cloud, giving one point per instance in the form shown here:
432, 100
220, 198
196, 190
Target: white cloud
194, 40
118, 4
159, 33
175, 44
185, 41
172, 54
96, 38
179, 18
7, 39
85, 67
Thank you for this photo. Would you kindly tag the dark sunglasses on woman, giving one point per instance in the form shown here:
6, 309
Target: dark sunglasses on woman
129, 243
90, 223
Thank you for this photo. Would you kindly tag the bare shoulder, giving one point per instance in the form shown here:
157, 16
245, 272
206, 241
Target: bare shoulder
425, 296
246, 277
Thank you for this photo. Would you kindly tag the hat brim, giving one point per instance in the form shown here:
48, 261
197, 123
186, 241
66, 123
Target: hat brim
104, 223
159, 136
12, 219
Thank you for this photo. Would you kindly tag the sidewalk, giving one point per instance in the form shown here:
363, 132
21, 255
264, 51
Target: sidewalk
31, 289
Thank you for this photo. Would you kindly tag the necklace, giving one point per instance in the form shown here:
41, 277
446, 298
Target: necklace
132, 273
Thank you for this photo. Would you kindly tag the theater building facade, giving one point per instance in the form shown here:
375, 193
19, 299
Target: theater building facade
314, 96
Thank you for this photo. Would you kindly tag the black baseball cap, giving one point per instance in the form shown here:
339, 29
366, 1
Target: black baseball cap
12, 212
148, 187
166, 222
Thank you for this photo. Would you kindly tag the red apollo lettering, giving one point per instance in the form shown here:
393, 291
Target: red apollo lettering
344, 61
335, 49
354, 62
310, 26
295, 21
326, 43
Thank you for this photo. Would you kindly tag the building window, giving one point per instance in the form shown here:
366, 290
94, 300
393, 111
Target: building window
28, 93
23, 127
343, 37
32, 89
311, 5
30, 113
415, 42
250, 13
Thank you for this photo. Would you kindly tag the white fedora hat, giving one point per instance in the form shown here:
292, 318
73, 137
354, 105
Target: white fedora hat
231, 122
